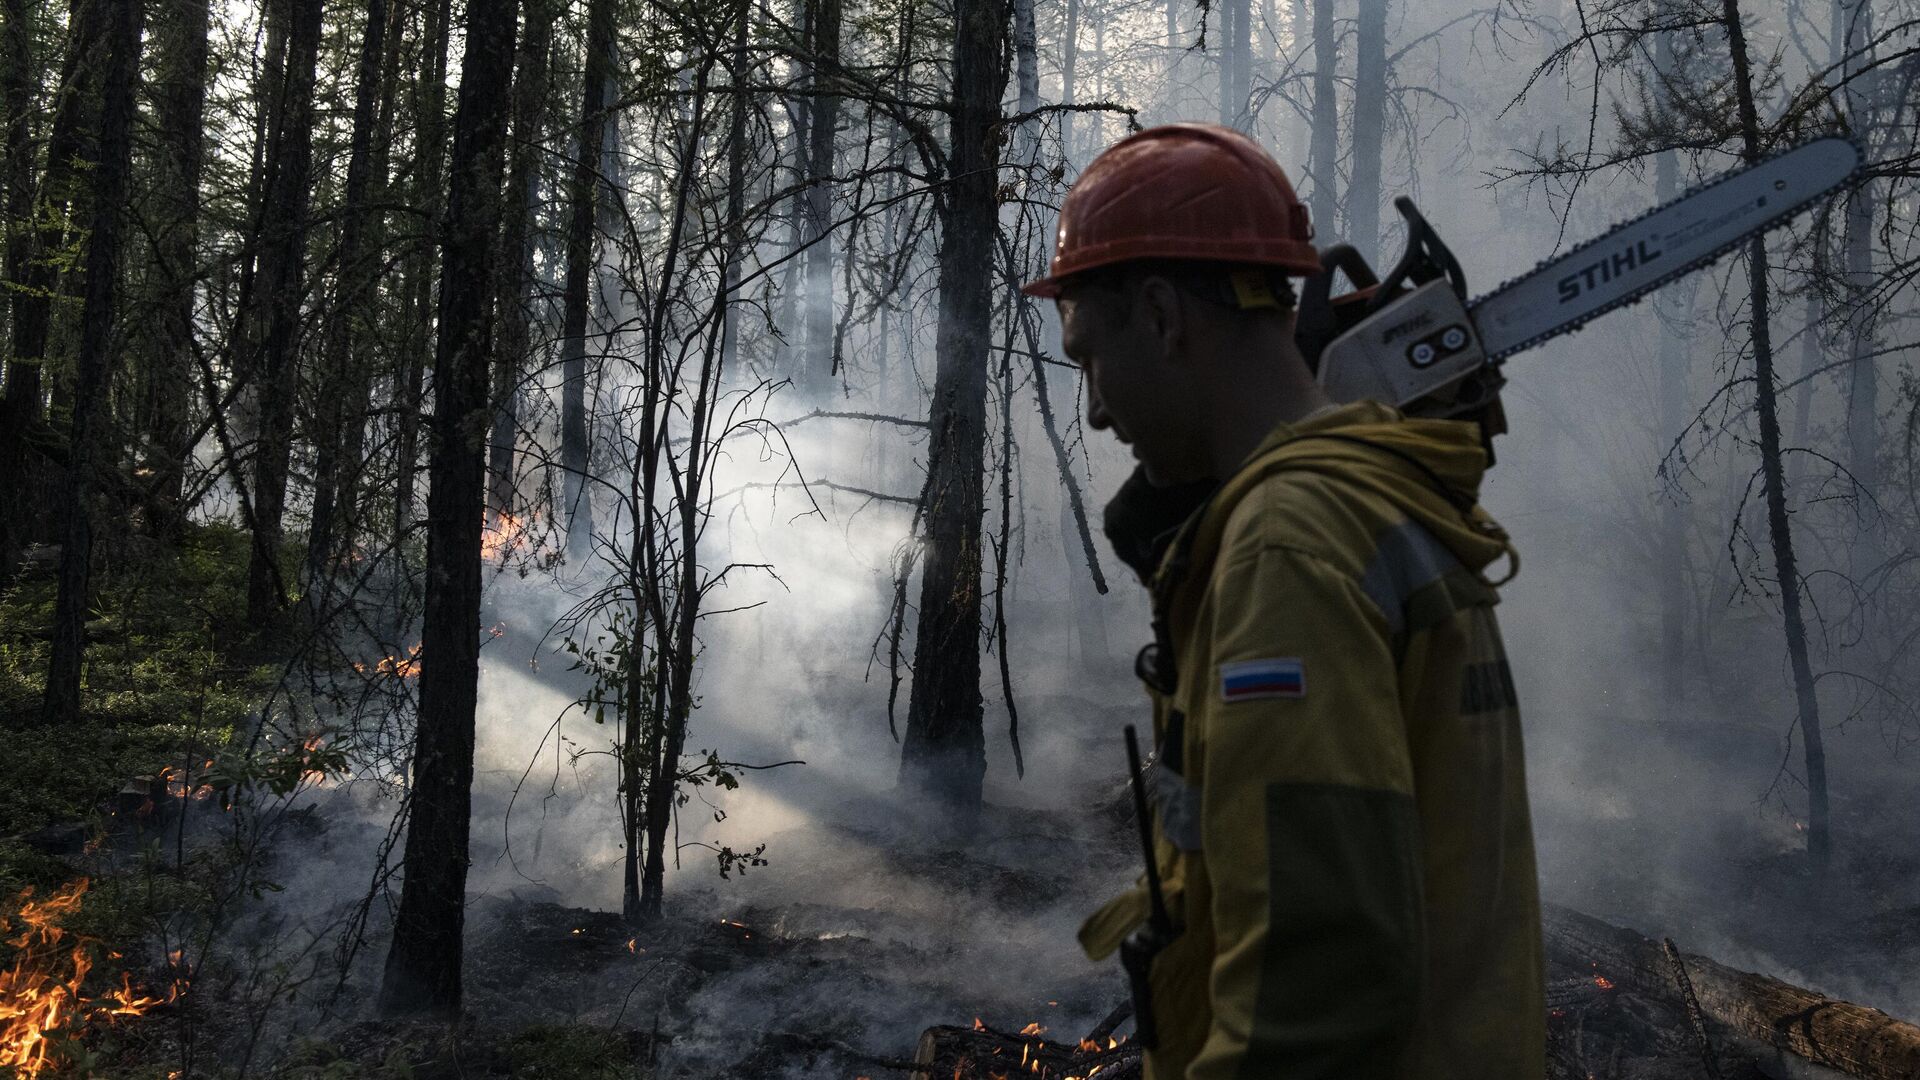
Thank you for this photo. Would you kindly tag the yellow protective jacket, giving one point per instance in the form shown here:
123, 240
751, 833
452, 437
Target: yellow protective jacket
1341, 825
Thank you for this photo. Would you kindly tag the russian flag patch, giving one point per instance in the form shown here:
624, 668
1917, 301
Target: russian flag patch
1248, 680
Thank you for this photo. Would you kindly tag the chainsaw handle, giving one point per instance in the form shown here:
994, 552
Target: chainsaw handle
1425, 259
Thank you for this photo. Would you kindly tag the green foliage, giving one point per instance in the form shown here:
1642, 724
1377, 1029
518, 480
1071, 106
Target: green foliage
171, 675
571, 1053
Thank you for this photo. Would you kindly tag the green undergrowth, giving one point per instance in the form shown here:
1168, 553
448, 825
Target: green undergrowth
172, 671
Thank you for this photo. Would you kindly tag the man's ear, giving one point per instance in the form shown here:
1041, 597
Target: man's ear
1165, 317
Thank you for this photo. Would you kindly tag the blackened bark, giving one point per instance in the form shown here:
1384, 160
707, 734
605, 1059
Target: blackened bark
583, 192
355, 282
516, 251
1819, 836
1369, 127
1324, 164
943, 758
280, 281
738, 71
822, 126
179, 103
423, 965
430, 166
93, 367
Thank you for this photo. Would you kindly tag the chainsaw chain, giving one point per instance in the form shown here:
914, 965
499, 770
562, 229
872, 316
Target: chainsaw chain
1670, 276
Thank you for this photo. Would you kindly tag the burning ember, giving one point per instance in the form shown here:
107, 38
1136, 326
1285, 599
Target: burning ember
404, 667
178, 787
42, 995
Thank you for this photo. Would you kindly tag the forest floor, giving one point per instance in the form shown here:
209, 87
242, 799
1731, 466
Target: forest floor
828, 964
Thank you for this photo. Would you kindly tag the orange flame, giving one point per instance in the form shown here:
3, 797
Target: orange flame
503, 536
42, 995
404, 667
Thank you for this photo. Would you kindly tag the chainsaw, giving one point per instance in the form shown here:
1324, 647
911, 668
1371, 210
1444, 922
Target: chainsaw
1414, 340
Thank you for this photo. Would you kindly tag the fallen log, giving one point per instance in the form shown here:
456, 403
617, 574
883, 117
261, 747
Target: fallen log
1853, 1040
982, 1053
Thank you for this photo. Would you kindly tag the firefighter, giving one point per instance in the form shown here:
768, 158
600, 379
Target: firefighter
1341, 822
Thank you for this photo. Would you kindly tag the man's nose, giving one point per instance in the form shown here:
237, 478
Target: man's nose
1097, 417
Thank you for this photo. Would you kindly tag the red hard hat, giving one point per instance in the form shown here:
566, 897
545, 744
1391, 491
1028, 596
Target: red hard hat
1181, 191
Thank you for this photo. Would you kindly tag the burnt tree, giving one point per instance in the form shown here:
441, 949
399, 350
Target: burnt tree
423, 964
943, 757
1324, 160
93, 367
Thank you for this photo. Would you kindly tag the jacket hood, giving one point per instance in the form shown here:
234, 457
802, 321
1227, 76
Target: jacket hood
1430, 469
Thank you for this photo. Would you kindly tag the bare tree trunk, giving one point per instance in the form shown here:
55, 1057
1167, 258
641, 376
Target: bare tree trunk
1369, 127
582, 194
1852, 42
1026, 66
430, 98
823, 363
355, 284
1324, 164
512, 357
1674, 307
1819, 837
1236, 60
423, 964
90, 432
179, 99
1069, 60
943, 758
673, 623
738, 69
275, 331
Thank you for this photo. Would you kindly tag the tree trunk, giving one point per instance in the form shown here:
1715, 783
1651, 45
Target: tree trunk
1236, 61
943, 759
1369, 127
673, 622
582, 194
739, 69
1674, 309
513, 356
429, 176
179, 103
91, 430
355, 284
1819, 838
423, 965
1852, 42
57, 204
275, 333
1069, 60
823, 361
18, 85
1324, 164
1026, 66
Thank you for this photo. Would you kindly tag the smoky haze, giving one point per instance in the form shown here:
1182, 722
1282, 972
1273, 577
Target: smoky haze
1674, 803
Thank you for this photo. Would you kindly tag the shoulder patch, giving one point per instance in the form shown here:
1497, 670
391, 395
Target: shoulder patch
1247, 680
